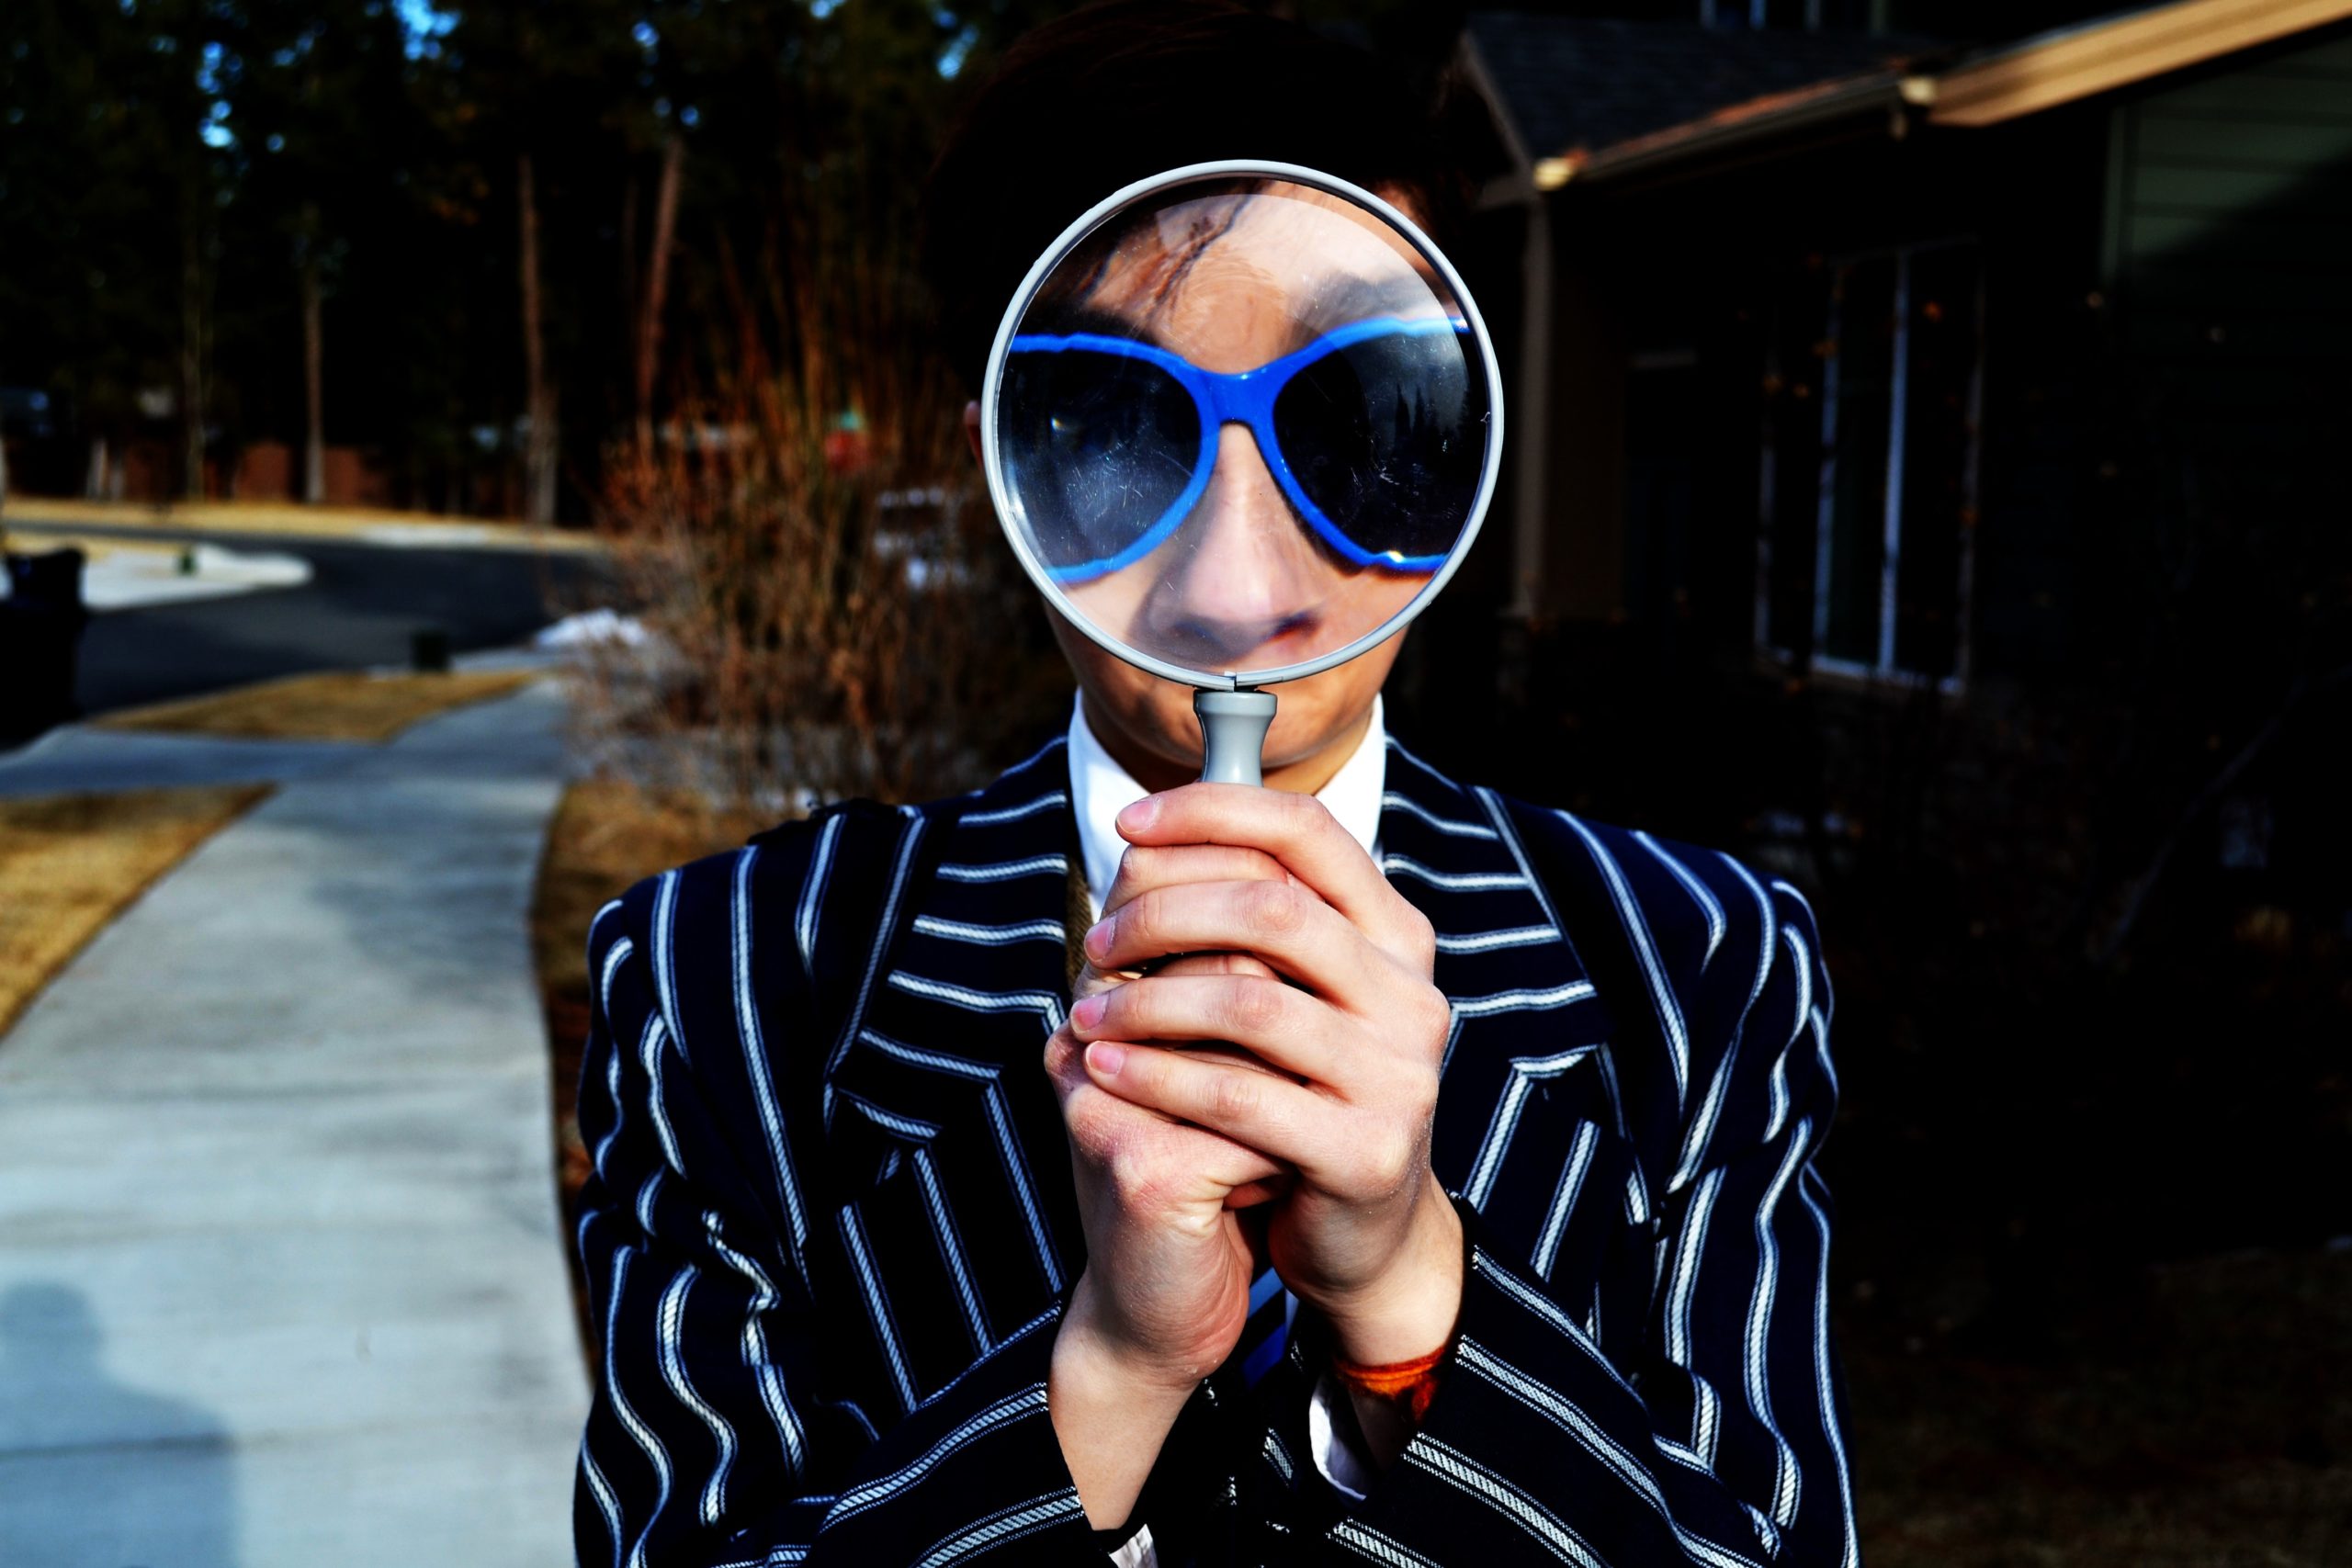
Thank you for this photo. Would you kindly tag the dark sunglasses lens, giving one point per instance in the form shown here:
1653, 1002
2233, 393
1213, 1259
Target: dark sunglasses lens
1386, 437
1097, 448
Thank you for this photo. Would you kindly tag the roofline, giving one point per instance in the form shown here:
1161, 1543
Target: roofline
2070, 64
2040, 72
1818, 102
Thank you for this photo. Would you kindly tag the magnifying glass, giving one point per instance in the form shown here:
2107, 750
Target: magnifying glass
1241, 421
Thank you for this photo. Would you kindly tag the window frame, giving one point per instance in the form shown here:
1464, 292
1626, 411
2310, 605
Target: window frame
1882, 670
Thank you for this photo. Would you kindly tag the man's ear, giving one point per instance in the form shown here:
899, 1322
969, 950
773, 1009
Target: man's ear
972, 428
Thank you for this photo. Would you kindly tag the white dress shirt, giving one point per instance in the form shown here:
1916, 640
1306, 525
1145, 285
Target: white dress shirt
1100, 789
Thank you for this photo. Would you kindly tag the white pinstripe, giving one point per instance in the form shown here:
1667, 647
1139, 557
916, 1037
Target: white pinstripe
1014, 813
755, 1057
1637, 928
1392, 801
877, 1302
1006, 1525
1564, 1197
1534, 1396
951, 1249
909, 837
770, 1378
1006, 870
627, 1413
1488, 942
1758, 1371
1449, 882
1365, 1541
812, 894
1525, 1072
665, 967
1012, 1407
1541, 1526
1709, 905
991, 936
1824, 1388
668, 1343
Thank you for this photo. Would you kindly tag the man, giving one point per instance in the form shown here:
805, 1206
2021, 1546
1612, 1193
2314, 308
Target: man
923, 1229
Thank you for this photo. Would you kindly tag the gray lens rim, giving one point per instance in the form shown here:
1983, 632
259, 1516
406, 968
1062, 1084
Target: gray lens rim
992, 457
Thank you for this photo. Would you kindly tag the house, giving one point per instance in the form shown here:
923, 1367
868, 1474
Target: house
2005, 388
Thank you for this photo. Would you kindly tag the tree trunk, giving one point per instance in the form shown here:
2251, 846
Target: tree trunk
314, 425
192, 352
538, 395
657, 284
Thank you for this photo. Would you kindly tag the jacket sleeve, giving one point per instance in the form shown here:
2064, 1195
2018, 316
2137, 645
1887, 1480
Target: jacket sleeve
1719, 1440
715, 1435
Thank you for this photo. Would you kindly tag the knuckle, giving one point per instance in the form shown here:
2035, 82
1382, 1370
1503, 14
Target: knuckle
1421, 936
1433, 1013
1275, 908
1137, 923
1236, 1094
1253, 1006
1381, 1166
1138, 1177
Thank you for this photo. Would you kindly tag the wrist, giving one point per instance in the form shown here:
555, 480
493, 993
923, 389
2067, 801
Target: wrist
1094, 1361
1411, 1310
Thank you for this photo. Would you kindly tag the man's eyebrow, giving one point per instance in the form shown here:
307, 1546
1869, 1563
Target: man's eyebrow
1356, 296
1065, 320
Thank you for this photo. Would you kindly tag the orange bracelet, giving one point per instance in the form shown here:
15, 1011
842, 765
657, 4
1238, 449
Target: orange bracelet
1409, 1384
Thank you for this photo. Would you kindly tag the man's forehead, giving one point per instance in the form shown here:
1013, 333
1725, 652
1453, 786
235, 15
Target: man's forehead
1314, 259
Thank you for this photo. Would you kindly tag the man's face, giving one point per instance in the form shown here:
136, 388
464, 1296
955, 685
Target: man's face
1241, 580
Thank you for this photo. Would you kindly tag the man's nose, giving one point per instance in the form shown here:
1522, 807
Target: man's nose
1244, 572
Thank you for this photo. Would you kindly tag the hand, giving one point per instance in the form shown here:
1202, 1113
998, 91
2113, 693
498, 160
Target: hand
1366, 1234
1170, 1258
1169, 1255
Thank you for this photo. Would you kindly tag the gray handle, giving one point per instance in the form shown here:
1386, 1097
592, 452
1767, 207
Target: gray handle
1233, 735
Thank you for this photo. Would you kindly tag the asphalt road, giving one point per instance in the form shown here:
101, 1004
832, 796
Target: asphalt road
363, 606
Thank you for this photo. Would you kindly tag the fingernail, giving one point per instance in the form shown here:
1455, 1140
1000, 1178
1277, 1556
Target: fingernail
1138, 816
1098, 939
1089, 1013
1106, 1058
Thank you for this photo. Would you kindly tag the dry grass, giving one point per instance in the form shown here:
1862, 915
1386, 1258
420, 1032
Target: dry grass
296, 521
605, 835
330, 706
69, 863
2199, 1419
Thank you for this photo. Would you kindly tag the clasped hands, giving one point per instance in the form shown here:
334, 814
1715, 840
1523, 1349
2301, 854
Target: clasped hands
1248, 1074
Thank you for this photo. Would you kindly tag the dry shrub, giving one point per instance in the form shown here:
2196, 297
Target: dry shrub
834, 612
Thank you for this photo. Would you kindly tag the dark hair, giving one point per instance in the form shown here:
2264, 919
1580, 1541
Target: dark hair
1124, 89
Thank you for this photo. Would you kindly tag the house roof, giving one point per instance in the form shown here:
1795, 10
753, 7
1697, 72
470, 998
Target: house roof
1576, 84
1586, 98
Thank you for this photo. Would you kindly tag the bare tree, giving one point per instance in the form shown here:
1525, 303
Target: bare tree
314, 421
656, 282
538, 393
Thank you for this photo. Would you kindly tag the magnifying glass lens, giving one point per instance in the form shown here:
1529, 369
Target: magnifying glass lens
1242, 424
1386, 438
1100, 446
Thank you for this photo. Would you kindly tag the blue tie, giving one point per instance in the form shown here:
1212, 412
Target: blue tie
1263, 1336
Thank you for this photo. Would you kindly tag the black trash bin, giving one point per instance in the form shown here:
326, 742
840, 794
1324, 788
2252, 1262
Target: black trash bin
40, 643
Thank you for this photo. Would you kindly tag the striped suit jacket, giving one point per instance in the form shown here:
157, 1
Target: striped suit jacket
832, 1225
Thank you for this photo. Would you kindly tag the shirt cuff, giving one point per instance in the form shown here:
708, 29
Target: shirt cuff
1332, 1438
1137, 1554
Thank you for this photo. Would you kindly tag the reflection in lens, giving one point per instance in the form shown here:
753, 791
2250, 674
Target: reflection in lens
1101, 446
1240, 424
1385, 438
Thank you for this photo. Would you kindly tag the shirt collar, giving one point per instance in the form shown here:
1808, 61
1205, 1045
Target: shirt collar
1100, 789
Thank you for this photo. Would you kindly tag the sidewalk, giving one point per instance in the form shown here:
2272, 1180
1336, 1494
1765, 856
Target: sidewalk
280, 1276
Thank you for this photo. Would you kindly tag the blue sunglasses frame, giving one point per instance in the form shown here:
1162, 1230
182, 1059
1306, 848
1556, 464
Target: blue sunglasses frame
1245, 398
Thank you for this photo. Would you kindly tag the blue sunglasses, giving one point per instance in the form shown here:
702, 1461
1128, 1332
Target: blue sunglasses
1375, 432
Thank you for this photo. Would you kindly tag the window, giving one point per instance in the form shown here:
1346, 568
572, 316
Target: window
1870, 456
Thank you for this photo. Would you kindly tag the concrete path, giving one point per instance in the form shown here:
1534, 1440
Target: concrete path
280, 1275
